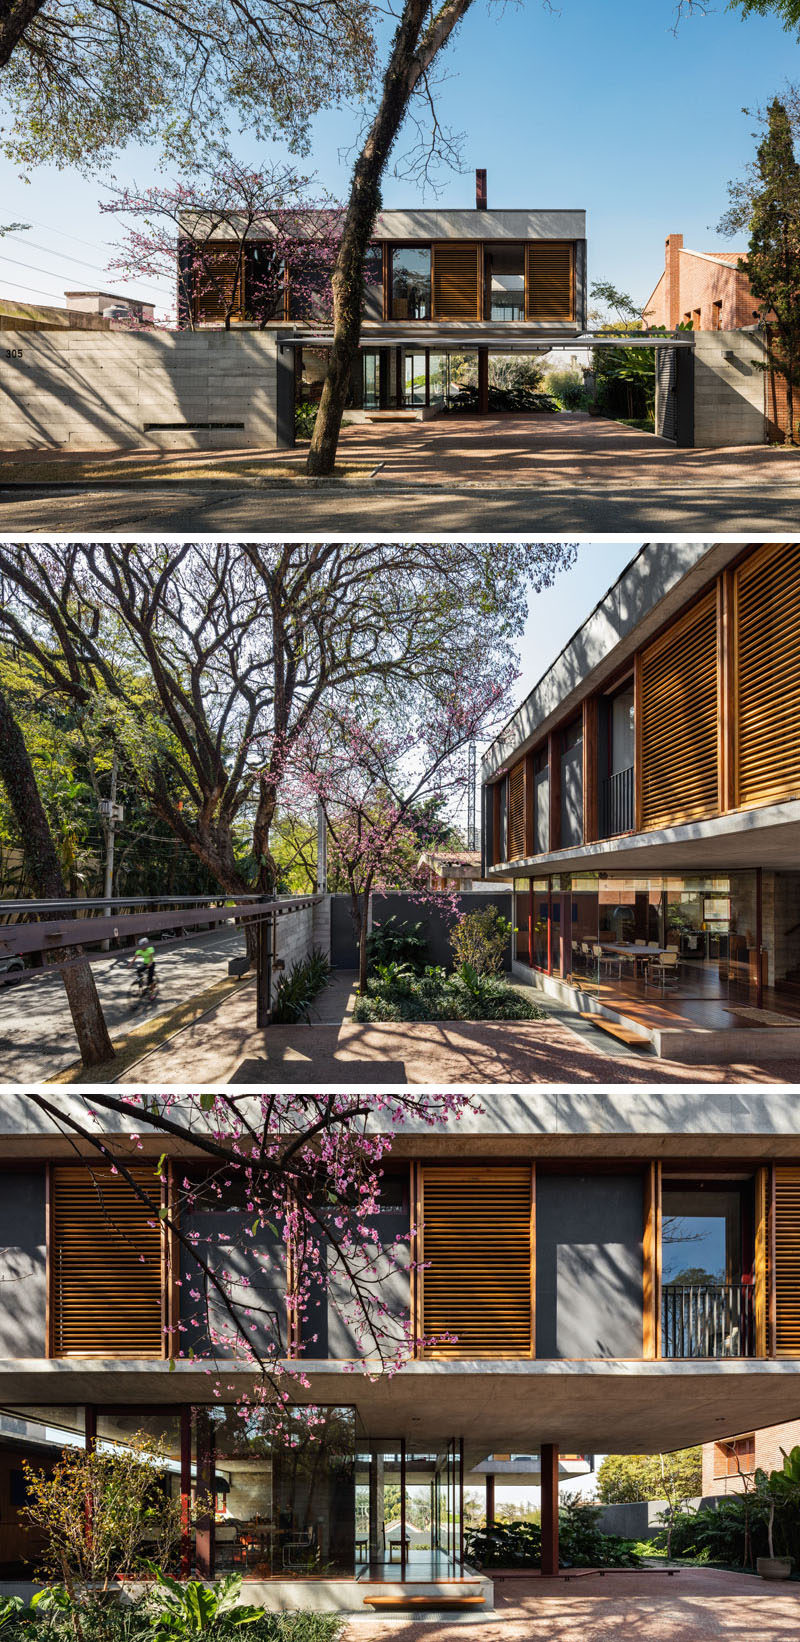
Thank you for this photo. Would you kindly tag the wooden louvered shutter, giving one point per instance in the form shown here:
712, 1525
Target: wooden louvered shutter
678, 732
456, 280
516, 812
651, 1256
477, 1247
767, 672
105, 1264
787, 1261
214, 277
550, 280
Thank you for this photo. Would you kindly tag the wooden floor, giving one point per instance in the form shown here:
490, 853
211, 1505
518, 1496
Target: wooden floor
699, 999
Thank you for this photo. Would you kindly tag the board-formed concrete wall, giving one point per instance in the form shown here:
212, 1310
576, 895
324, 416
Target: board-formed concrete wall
729, 386
179, 390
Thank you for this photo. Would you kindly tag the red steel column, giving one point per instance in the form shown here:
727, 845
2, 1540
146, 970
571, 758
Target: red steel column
549, 1508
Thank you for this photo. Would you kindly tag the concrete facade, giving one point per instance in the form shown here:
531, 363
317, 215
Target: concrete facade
210, 390
729, 389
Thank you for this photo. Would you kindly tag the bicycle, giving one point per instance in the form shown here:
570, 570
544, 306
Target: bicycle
141, 989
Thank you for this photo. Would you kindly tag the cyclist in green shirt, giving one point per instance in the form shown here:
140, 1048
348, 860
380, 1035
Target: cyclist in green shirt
145, 959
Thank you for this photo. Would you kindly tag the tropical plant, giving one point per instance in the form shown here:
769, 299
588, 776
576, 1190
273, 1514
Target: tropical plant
518, 1544
480, 940
393, 941
397, 994
12, 1610
188, 1608
296, 991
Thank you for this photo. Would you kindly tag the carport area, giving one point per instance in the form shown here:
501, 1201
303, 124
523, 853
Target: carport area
507, 450
639, 1605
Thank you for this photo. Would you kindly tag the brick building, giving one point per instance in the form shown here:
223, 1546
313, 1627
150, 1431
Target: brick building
730, 1461
704, 289
709, 291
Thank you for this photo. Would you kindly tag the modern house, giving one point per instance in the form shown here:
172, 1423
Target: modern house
729, 1463
603, 1272
453, 869
645, 799
444, 288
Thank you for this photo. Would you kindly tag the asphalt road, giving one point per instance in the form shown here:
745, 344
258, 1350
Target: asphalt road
37, 1038
766, 504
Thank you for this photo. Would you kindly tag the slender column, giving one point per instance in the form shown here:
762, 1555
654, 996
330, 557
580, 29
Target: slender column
483, 381
549, 1468
490, 1499
204, 1528
403, 1508
186, 1492
759, 940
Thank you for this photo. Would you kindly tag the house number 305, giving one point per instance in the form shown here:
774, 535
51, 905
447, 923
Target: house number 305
13, 353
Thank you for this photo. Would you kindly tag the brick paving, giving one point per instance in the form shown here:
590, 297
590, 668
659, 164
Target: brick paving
696, 1605
225, 1046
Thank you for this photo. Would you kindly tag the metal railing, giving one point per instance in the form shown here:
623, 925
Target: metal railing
707, 1320
616, 803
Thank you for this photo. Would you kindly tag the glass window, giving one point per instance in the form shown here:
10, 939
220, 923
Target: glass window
411, 282
414, 379
701, 1236
622, 731
373, 282
370, 381
505, 282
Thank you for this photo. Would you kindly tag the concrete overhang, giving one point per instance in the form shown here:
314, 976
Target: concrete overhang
604, 1406
660, 580
765, 837
522, 223
627, 1123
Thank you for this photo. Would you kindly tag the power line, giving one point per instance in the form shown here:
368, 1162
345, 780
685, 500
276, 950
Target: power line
48, 272
64, 255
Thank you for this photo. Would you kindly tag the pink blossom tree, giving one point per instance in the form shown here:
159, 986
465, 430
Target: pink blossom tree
372, 766
235, 238
296, 1178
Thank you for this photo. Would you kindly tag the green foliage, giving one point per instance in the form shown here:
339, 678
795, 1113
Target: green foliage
624, 1478
305, 416
773, 257
480, 939
518, 1544
12, 1609
520, 400
297, 989
566, 387
185, 1609
397, 994
396, 942
297, 1627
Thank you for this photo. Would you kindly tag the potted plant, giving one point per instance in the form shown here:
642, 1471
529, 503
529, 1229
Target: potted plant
776, 1491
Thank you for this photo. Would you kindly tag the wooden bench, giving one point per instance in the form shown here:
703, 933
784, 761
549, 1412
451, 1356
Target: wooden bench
424, 1601
616, 1029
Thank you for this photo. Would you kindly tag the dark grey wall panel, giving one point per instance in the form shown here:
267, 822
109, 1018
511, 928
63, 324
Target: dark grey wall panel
23, 1268
589, 1266
265, 1289
438, 924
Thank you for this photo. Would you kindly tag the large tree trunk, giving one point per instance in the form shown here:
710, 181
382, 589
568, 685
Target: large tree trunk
44, 872
410, 56
15, 15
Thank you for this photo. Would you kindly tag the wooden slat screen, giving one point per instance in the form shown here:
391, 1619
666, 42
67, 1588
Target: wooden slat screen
761, 1263
550, 280
679, 722
456, 280
105, 1264
214, 276
651, 1260
767, 650
516, 812
787, 1261
477, 1281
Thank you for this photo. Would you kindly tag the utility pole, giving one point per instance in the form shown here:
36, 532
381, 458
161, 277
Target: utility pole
472, 773
322, 851
112, 812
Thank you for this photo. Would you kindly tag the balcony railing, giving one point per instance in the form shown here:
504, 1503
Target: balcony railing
707, 1320
616, 803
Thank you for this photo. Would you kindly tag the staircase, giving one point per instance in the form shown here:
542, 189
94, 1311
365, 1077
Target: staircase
409, 1596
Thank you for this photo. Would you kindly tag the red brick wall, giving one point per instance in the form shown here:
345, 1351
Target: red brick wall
701, 283
769, 1442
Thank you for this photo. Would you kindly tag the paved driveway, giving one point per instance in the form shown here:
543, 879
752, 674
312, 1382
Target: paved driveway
695, 1605
563, 474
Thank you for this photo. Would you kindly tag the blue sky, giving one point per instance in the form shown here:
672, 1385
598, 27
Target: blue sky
600, 106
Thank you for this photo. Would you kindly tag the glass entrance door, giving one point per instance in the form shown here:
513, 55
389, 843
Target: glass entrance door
414, 379
371, 381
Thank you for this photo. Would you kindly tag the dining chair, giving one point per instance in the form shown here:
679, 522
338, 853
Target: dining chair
665, 967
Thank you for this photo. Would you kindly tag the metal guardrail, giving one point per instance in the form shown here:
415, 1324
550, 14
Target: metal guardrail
709, 1320
617, 803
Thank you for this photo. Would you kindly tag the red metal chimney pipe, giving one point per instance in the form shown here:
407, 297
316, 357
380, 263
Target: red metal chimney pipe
480, 191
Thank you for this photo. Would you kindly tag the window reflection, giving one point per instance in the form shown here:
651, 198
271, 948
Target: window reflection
505, 283
411, 282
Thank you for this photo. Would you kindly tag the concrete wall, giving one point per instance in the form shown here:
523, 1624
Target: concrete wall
23, 1278
589, 1266
471, 224
728, 389
207, 390
638, 1519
